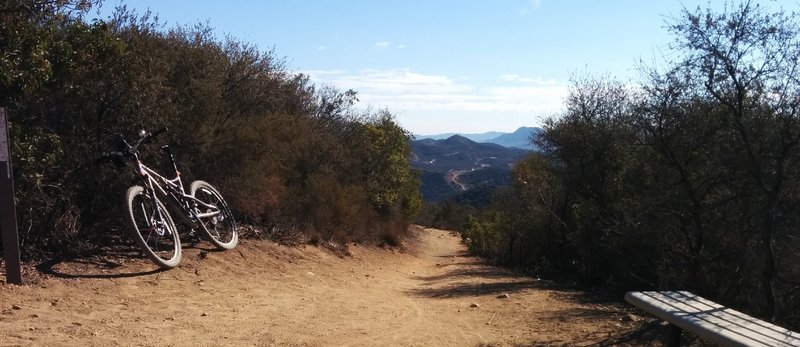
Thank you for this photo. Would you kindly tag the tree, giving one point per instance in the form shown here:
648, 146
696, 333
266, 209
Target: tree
591, 147
26, 35
746, 60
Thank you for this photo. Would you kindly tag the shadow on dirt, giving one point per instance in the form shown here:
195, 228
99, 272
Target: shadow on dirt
111, 264
470, 289
650, 333
467, 279
463, 263
459, 254
119, 261
647, 334
644, 333
466, 270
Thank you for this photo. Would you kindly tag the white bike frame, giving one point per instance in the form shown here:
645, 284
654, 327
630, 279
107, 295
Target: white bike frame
174, 190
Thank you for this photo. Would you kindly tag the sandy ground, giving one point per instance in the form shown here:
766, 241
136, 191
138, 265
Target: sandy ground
265, 294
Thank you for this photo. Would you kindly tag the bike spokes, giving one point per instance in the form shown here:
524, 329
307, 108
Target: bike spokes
153, 228
214, 216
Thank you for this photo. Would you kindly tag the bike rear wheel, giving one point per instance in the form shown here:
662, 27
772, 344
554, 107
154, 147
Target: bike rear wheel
216, 218
153, 228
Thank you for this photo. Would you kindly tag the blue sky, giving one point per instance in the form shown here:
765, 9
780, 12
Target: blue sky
465, 66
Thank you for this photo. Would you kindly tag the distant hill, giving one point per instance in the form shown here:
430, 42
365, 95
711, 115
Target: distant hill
482, 137
520, 138
460, 153
455, 165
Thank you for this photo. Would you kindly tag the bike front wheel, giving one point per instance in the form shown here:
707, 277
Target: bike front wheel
153, 228
214, 215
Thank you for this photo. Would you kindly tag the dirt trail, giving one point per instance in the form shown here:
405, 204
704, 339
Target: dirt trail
265, 294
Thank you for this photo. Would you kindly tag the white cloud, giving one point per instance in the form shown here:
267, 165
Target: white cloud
403, 90
532, 5
522, 79
387, 44
437, 103
321, 48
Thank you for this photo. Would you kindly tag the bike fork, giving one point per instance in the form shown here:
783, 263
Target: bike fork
159, 215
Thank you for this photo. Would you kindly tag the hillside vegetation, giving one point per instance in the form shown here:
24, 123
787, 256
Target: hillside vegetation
689, 180
289, 155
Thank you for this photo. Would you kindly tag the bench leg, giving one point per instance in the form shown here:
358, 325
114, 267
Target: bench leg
673, 336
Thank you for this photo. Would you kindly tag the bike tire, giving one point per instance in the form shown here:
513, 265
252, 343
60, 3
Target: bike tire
220, 229
157, 237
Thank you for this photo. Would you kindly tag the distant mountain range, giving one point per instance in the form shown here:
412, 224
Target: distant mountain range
520, 138
457, 167
482, 137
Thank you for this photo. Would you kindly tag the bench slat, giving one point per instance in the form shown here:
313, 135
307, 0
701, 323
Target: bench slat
712, 321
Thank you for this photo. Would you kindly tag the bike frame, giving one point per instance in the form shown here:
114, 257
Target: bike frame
173, 188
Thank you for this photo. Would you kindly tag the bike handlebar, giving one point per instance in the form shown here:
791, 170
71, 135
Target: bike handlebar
147, 137
117, 156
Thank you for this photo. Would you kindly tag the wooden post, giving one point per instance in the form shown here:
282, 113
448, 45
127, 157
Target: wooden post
8, 214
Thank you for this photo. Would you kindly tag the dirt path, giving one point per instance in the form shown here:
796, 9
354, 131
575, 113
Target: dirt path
265, 294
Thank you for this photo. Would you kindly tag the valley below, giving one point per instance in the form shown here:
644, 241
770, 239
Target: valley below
457, 164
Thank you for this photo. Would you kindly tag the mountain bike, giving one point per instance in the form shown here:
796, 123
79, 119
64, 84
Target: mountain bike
152, 225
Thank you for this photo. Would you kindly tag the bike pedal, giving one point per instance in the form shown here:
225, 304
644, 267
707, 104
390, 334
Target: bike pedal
193, 238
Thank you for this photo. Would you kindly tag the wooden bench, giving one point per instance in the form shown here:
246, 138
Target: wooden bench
712, 321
